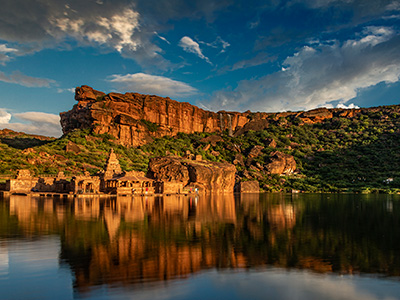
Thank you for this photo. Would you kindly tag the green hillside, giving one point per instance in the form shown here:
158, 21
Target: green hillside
342, 154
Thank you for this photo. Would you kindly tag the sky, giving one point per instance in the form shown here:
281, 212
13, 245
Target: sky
228, 55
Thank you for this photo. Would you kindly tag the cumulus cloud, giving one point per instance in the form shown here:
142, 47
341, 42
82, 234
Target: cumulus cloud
24, 80
128, 27
191, 46
115, 30
5, 116
32, 122
320, 74
350, 106
116, 26
151, 84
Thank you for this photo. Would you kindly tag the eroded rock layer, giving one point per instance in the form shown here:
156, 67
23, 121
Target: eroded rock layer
135, 119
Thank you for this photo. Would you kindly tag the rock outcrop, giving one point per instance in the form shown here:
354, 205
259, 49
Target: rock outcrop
204, 175
135, 119
281, 163
248, 187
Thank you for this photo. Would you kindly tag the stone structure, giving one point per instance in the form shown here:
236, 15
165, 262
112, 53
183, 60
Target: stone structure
85, 184
167, 175
113, 167
130, 183
24, 182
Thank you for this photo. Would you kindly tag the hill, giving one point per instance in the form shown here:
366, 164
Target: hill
331, 150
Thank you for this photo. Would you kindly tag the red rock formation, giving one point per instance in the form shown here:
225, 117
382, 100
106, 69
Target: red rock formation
205, 175
281, 163
248, 187
134, 119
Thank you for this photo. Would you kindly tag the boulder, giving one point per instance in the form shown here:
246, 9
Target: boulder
281, 163
255, 151
238, 159
255, 125
205, 175
316, 115
72, 147
212, 139
248, 187
270, 143
168, 169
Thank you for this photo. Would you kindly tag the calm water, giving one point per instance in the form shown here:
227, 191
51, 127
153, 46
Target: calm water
268, 246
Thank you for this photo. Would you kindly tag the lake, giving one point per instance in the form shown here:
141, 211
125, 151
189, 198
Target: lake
254, 246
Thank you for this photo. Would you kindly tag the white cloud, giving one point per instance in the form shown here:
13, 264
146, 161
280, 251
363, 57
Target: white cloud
191, 46
218, 43
395, 5
319, 74
151, 84
162, 38
5, 49
39, 117
69, 90
18, 78
116, 30
350, 106
5, 116
33, 123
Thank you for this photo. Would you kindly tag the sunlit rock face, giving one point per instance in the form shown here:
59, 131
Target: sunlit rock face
135, 119
281, 163
203, 175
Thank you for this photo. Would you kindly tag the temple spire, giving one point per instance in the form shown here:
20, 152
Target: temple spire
112, 167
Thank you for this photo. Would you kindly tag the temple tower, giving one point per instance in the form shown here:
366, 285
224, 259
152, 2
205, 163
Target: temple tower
112, 167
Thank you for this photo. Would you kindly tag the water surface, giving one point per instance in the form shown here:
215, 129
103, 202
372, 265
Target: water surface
277, 246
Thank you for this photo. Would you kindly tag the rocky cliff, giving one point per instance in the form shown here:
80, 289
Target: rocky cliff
134, 119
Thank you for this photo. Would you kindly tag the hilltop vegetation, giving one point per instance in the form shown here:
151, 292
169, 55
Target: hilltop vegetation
340, 154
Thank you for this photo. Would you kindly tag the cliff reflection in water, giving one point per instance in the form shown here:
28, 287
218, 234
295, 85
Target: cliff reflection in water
151, 239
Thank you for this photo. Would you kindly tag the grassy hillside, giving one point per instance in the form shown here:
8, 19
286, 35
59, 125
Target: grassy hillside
337, 155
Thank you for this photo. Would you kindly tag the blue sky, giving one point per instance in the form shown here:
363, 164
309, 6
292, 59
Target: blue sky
219, 55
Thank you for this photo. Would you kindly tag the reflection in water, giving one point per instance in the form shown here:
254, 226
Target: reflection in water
147, 240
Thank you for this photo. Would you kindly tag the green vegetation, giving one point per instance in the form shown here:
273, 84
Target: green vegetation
359, 154
152, 127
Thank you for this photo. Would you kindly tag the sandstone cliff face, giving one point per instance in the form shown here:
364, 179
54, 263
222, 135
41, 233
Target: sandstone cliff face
205, 175
135, 119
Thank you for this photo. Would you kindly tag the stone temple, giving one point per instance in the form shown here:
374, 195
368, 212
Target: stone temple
166, 175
